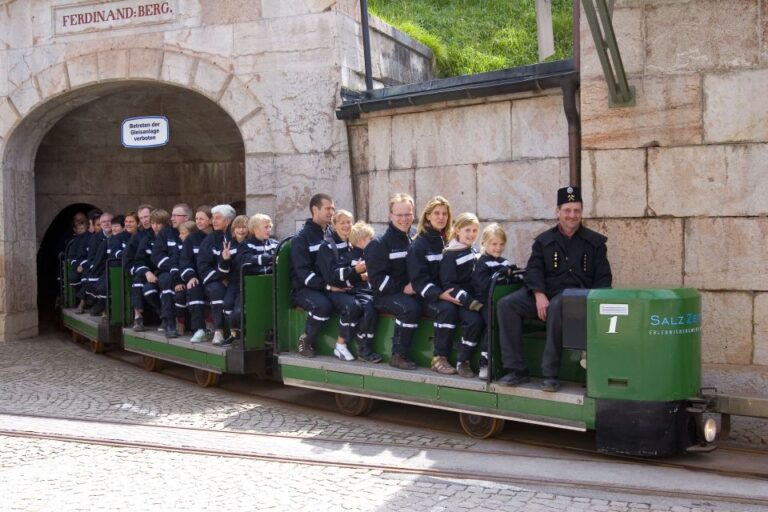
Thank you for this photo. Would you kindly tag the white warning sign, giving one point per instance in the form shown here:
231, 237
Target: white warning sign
145, 132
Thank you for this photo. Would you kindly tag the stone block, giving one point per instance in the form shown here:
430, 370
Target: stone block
380, 142
145, 63
214, 40
17, 326
53, 80
210, 79
520, 237
216, 12
628, 26
300, 176
521, 190
701, 35
260, 175
690, 181
464, 135
287, 35
726, 327
726, 253
178, 68
614, 183
262, 134
238, 100
539, 127
760, 354
668, 112
382, 186
25, 97
279, 8
9, 116
736, 106
262, 204
113, 64
643, 252
83, 69
302, 106
458, 184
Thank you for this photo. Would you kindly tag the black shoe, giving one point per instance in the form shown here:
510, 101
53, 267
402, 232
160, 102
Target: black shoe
513, 379
371, 357
170, 330
305, 348
138, 324
550, 384
97, 310
229, 340
401, 362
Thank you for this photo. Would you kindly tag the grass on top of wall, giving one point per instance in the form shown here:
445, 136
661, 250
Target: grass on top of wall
475, 36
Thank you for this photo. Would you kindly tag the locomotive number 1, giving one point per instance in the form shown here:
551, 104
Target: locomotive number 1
612, 325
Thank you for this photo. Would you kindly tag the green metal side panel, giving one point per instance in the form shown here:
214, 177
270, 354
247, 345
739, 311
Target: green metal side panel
644, 344
445, 396
69, 293
258, 315
87, 330
117, 296
546, 408
178, 354
282, 282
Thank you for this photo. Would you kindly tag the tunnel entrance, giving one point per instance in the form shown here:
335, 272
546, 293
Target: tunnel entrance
81, 163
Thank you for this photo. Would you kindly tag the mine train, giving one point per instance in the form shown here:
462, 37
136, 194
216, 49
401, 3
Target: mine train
639, 390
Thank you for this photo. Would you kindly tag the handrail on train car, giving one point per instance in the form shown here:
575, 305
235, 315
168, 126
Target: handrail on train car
275, 307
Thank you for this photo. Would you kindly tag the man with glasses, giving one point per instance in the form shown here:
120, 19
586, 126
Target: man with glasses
388, 275
165, 257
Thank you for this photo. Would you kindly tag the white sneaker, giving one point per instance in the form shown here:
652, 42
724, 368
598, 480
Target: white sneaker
343, 353
199, 336
483, 373
583, 360
218, 338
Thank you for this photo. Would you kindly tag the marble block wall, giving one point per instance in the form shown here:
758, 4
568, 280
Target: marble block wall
678, 181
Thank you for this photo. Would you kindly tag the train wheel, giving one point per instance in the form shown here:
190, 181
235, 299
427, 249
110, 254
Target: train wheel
480, 427
206, 379
352, 405
97, 347
151, 364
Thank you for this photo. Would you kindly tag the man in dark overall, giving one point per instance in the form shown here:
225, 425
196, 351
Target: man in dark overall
310, 291
565, 256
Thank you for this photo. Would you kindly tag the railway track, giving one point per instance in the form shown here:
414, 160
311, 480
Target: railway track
468, 464
725, 462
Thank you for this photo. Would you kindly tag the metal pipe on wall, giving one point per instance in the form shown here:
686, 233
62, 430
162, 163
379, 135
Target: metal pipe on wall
366, 44
570, 88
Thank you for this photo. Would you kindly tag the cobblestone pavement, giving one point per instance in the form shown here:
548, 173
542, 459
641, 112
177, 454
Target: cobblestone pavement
42, 475
50, 377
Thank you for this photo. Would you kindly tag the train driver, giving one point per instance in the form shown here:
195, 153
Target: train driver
567, 255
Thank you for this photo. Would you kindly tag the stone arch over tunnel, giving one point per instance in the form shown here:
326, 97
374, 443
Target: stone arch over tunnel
38, 149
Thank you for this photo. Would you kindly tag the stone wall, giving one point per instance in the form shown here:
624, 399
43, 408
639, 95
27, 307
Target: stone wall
501, 157
678, 181
275, 68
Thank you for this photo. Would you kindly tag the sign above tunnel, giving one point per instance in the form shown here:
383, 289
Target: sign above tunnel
145, 132
102, 15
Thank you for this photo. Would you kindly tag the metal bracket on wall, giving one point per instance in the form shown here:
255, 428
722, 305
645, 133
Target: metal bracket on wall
620, 93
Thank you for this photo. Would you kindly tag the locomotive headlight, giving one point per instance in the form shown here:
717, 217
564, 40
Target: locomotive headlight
709, 430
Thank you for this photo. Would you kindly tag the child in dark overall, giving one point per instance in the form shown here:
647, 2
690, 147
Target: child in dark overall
456, 270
